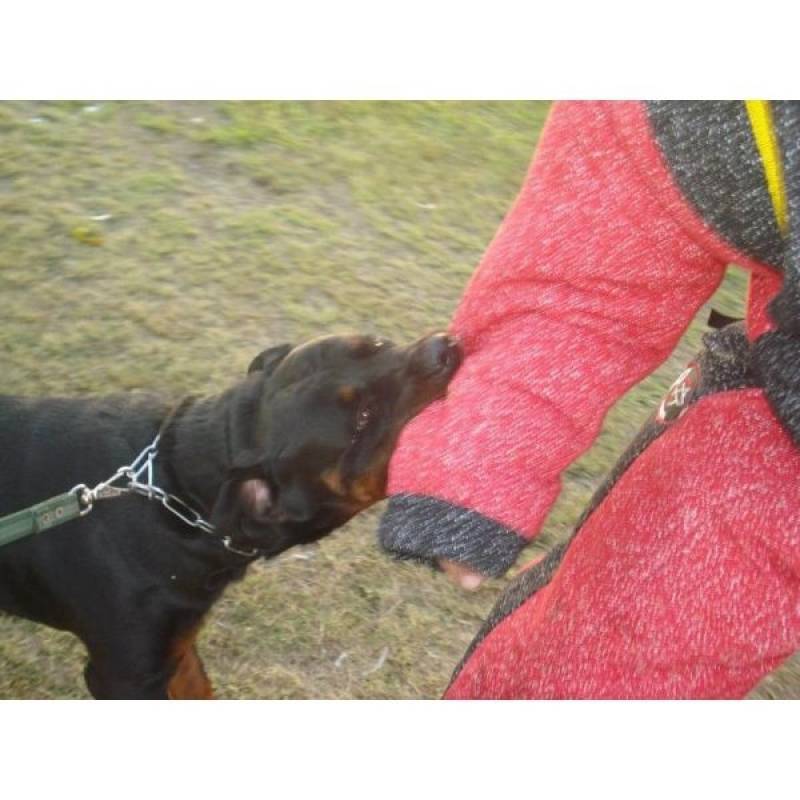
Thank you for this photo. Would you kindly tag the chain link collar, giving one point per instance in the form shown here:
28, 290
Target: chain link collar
135, 482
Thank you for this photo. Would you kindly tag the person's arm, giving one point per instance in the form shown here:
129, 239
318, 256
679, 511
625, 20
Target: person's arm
586, 288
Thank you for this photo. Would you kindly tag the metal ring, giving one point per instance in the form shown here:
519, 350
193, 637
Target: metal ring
85, 498
227, 544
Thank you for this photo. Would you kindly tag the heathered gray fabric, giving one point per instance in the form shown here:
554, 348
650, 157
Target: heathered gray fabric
420, 528
724, 365
786, 306
776, 356
712, 155
776, 360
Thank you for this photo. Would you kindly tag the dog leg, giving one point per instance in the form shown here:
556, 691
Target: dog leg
138, 666
189, 681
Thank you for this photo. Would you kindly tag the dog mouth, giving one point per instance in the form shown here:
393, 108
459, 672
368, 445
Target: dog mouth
449, 358
436, 358
424, 373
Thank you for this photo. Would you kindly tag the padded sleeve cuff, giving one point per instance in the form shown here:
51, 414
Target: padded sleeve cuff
424, 528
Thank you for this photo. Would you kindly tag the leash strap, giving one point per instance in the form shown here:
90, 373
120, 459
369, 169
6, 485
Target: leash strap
80, 500
40, 517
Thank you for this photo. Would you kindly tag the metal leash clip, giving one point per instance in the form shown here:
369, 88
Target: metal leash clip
85, 498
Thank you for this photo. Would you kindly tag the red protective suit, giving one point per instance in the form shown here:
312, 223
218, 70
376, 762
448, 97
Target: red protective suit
684, 581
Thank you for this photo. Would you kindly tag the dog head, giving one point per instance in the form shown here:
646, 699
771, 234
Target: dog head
313, 430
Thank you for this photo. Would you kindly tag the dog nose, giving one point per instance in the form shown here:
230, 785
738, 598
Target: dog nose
439, 354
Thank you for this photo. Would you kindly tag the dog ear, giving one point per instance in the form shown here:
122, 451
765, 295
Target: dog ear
268, 359
248, 497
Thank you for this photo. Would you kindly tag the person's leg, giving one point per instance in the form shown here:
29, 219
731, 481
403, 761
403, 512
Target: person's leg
683, 582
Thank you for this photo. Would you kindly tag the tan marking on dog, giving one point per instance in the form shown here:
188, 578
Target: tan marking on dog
189, 680
332, 478
346, 394
368, 489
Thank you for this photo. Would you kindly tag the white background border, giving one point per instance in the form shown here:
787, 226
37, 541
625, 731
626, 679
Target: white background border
410, 50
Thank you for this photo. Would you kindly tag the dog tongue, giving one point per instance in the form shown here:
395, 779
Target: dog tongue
256, 495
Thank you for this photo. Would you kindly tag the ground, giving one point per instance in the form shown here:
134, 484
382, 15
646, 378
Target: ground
160, 246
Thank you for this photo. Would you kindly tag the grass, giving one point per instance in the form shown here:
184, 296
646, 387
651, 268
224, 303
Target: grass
161, 245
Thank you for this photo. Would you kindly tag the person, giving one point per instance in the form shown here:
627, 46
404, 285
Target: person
682, 578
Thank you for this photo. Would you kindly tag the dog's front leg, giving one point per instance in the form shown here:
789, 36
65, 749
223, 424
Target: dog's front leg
189, 681
133, 663
177, 674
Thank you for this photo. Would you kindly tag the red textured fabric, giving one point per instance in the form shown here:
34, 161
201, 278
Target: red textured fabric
684, 583
567, 311
764, 284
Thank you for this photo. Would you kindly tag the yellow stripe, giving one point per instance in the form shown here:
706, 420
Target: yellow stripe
763, 127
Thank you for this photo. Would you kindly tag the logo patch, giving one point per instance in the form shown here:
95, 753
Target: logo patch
677, 398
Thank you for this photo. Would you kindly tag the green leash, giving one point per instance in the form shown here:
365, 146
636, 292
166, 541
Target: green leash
80, 500
40, 517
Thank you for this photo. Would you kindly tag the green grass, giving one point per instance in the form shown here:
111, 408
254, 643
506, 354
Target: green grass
220, 228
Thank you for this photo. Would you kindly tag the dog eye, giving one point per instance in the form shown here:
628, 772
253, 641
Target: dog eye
364, 415
363, 418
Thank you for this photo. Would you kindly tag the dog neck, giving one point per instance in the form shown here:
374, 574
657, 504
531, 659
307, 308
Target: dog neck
199, 444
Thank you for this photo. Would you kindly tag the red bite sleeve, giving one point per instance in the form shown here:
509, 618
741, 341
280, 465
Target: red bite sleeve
586, 288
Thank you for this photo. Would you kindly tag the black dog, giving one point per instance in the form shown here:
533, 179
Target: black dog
282, 458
